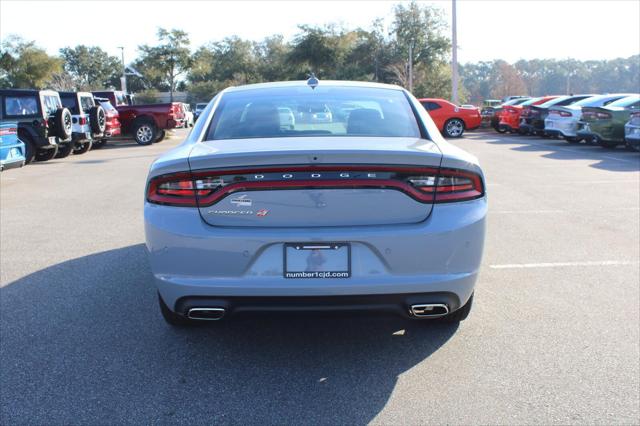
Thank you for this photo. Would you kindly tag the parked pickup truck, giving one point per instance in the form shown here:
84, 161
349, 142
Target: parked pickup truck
145, 123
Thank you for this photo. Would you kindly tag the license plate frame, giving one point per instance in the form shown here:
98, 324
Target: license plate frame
294, 254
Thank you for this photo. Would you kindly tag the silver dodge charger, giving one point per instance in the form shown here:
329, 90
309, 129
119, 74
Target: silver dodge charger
370, 210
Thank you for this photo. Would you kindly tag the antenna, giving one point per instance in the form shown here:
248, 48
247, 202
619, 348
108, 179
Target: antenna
313, 81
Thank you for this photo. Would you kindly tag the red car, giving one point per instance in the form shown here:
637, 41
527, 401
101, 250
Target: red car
452, 120
510, 117
112, 127
145, 123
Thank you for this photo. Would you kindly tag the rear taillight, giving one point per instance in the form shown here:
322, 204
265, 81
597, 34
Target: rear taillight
174, 190
450, 185
8, 131
595, 115
560, 113
425, 185
82, 121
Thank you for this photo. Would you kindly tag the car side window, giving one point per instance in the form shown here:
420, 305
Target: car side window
20, 105
51, 104
430, 106
87, 103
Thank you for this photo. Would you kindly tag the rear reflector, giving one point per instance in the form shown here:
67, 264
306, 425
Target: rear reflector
426, 185
8, 131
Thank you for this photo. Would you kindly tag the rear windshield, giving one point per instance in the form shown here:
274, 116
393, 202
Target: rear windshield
20, 105
531, 101
631, 101
70, 103
516, 101
323, 111
106, 105
597, 101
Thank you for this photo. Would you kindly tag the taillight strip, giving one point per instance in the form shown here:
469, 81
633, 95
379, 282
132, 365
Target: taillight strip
206, 197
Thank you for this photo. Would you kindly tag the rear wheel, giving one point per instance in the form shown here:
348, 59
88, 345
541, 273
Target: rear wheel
29, 146
99, 144
46, 154
82, 148
144, 132
501, 129
171, 317
454, 128
461, 314
161, 135
64, 150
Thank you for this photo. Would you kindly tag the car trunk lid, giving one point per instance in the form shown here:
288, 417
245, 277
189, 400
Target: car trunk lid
292, 182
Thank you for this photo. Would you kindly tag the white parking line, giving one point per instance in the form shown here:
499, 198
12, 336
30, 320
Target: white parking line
564, 264
544, 211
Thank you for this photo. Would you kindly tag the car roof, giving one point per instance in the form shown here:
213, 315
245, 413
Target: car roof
303, 83
26, 92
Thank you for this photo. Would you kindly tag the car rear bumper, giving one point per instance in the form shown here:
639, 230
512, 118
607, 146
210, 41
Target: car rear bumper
399, 304
190, 259
81, 137
632, 135
12, 164
556, 127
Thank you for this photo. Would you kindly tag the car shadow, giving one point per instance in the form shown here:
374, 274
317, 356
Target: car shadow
617, 160
83, 342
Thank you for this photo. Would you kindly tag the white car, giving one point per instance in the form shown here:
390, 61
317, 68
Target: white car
188, 116
379, 213
563, 120
199, 108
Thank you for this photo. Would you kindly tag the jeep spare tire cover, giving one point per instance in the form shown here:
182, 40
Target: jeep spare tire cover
62, 123
98, 119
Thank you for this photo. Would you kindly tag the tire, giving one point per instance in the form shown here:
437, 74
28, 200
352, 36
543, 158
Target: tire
46, 154
99, 144
173, 319
29, 146
62, 123
608, 144
501, 129
459, 315
161, 135
454, 128
97, 119
144, 132
571, 139
65, 150
82, 148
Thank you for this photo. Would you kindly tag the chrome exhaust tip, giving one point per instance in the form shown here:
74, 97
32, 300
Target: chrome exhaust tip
429, 310
206, 314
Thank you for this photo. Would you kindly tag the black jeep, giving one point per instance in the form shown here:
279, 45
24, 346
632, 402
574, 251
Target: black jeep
44, 125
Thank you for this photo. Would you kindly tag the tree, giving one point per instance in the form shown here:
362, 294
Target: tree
90, 67
162, 65
506, 81
24, 65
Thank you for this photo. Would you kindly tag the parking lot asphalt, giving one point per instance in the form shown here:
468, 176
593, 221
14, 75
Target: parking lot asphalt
553, 336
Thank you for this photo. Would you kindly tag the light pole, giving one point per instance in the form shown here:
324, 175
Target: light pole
123, 79
454, 49
411, 67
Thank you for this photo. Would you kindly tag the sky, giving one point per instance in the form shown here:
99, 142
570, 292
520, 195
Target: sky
498, 29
